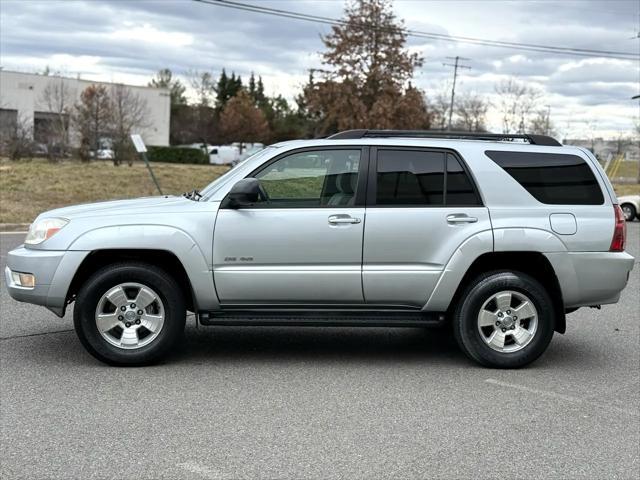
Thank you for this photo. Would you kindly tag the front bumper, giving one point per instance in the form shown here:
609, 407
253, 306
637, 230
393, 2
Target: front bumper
54, 270
591, 278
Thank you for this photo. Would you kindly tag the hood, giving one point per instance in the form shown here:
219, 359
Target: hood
116, 207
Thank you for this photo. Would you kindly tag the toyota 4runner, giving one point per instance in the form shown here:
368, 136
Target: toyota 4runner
498, 236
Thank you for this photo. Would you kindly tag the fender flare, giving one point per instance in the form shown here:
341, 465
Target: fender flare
157, 237
456, 268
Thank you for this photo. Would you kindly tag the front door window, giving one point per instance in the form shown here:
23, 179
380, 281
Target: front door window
322, 178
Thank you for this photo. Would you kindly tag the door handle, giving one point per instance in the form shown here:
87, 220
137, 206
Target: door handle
460, 218
342, 219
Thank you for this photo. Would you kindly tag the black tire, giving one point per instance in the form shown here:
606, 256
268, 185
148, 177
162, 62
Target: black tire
465, 318
106, 278
629, 211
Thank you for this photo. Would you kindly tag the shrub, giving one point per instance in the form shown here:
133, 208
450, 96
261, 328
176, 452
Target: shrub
177, 155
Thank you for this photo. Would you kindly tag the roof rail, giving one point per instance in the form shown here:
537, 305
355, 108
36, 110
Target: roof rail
362, 133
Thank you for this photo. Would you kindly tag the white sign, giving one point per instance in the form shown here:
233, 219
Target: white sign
138, 143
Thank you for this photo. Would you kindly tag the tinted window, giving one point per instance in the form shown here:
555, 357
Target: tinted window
552, 178
407, 177
322, 178
460, 190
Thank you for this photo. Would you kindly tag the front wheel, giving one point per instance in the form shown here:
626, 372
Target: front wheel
504, 320
129, 314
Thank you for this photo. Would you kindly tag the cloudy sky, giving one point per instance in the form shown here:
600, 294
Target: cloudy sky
127, 41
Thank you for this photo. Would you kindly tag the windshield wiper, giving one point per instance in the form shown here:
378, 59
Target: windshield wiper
193, 195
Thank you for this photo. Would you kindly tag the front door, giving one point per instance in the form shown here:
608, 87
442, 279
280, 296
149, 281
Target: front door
302, 243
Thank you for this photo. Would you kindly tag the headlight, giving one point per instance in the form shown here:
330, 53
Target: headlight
43, 229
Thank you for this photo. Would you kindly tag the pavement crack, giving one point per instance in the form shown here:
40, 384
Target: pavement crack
36, 334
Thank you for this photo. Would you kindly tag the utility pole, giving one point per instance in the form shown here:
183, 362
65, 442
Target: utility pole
547, 126
456, 65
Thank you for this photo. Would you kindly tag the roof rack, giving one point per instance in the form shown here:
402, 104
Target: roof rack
363, 133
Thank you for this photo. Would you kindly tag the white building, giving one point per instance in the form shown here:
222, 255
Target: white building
22, 97
605, 150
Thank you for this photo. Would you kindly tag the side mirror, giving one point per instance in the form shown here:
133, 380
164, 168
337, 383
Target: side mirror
244, 193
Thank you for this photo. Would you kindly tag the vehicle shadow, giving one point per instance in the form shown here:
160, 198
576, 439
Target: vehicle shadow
283, 345
324, 344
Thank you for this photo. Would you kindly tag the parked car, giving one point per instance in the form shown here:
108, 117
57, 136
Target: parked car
497, 236
102, 154
630, 205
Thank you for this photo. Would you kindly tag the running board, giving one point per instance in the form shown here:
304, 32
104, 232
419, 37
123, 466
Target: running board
329, 318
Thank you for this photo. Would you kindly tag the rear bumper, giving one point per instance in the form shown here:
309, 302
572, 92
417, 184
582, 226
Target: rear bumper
53, 271
591, 278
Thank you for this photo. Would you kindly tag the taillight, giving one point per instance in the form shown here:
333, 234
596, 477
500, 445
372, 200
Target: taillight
619, 231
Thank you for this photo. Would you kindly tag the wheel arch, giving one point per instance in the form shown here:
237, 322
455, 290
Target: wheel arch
532, 263
164, 259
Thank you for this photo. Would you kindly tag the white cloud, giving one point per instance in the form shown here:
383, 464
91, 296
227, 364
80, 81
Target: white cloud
148, 34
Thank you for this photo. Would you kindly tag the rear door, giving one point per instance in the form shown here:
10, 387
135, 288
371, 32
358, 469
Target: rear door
421, 206
302, 244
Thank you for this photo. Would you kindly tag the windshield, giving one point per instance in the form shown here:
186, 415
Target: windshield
209, 189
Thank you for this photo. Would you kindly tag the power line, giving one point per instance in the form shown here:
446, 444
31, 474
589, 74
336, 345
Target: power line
456, 65
532, 47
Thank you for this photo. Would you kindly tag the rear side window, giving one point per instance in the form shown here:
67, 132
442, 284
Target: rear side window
422, 178
551, 178
410, 177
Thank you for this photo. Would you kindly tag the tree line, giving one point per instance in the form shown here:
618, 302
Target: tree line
366, 81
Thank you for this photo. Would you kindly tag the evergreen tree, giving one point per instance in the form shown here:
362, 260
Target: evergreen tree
164, 79
222, 88
252, 88
261, 99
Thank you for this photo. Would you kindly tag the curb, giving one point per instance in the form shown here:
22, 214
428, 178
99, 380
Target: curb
14, 227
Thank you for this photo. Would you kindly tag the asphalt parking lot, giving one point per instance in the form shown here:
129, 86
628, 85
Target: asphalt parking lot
321, 402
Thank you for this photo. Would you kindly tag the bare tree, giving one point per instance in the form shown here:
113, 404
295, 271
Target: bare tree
204, 85
541, 123
439, 106
516, 103
58, 100
128, 112
471, 112
592, 126
92, 118
17, 139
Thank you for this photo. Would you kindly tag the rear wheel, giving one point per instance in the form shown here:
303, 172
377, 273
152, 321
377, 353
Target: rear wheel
629, 211
504, 320
129, 314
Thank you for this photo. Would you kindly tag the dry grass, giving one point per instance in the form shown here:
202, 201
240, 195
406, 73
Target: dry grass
627, 188
28, 188
626, 169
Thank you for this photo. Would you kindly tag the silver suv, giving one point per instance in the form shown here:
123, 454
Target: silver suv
497, 236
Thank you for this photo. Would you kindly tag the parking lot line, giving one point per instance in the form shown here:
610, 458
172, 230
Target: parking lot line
197, 468
560, 396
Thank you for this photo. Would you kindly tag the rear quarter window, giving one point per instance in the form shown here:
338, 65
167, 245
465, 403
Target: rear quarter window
551, 178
